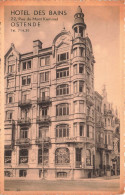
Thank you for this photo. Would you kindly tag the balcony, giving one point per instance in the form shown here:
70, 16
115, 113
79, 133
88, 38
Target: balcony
100, 124
43, 120
89, 100
24, 103
117, 121
23, 142
100, 145
108, 147
24, 121
89, 119
44, 101
41, 140
108, 112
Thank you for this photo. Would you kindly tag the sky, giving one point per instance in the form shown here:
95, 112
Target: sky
103, 29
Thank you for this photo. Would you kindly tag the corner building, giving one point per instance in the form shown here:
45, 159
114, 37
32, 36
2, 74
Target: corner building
49, 108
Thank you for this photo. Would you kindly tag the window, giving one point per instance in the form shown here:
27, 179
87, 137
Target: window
81, 86
44, 77
75, 87
109, 139
75, 129
60, 73
88, 157
81, 68
75, 52
43, 132
81, 129
87, 130
82, 52
81, 106
63, 56
62, 109
24, 133
62, 89
43, 158
26, 80
61, 174
75, 103
26, 65
10, 98
25, 113
62, 156
7, 156
45, 61
9, 115
75, 69
11, 64
10, 83
44, 93
22, 173
23, 156
43, 111
62, 131
78, 154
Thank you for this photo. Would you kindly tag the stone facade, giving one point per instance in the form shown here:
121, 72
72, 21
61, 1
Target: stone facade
52, 121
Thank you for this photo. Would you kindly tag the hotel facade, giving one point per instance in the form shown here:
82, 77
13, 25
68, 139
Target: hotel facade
56, 125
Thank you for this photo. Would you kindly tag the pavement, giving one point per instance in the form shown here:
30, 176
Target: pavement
94, 184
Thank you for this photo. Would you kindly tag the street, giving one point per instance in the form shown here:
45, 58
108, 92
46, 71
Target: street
95, 184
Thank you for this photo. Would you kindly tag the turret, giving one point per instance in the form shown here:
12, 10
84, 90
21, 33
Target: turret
79, 26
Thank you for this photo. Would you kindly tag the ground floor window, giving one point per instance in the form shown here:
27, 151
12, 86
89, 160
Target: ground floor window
45, 155
62, 156
23, 156
78, 156
61, 174
7, 156
22, 173
88, 157
7, 174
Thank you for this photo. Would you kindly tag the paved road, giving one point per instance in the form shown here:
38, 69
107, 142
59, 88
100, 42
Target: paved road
80, 185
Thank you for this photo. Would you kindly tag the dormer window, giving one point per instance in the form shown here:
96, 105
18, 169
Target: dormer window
63, 56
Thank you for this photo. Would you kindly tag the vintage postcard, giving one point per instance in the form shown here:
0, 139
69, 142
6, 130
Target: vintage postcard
62, 97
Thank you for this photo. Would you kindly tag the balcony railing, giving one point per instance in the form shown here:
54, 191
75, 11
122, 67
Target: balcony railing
43, 119
44, 100
108, 112
45, 140
24, 121
100, 145
89, 119
89, 100
23, 141
24, 103
108, 147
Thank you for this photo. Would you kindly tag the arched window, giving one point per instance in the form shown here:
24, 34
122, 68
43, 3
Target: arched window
88, 157
62, 130
62, 156
23, 156
62, 109
62, 89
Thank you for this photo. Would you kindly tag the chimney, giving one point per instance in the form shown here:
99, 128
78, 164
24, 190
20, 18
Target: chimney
37, 45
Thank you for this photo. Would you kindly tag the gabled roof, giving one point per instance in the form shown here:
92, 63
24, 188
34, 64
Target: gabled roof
12, 48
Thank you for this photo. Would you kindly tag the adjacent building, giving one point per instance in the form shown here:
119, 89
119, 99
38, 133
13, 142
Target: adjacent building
56, 125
